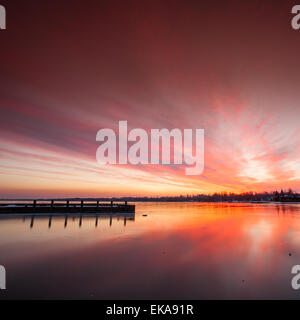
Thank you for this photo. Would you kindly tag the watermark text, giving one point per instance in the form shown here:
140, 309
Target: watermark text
296, 18
296, 279
155, 149
2, 17
2, 278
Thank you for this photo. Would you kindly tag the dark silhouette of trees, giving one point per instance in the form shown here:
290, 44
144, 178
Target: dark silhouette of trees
216, 197
283, 196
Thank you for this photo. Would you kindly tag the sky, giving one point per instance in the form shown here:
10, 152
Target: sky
71, 68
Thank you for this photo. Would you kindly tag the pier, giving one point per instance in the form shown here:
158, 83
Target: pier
64, 207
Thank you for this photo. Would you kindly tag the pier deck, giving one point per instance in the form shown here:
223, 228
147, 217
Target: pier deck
66, 206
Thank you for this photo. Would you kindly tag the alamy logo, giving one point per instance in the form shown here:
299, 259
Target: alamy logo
296, 279
2, 278
2, 18
296, 18
159, 144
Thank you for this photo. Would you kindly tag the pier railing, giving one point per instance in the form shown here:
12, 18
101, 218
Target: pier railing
64, 206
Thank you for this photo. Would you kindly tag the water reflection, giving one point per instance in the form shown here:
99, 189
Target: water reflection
125, 217
171, 251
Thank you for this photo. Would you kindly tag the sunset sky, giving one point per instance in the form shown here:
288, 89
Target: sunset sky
70, 68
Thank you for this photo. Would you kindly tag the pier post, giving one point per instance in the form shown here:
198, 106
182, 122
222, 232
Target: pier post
98, 204
50, 222
34, 203
111, 203
110, 221
80, 221
96, 223
52, 203
81, 203
66, 221
125, 203
67, 205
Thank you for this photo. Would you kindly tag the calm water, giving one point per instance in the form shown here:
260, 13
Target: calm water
177, 251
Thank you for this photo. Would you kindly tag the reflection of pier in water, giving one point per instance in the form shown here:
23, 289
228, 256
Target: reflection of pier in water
98, 219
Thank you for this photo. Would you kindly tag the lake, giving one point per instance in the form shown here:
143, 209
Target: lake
164, 251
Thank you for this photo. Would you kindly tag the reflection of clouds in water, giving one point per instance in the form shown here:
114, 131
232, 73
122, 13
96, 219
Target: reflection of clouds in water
259, 234
293, 235
180, 250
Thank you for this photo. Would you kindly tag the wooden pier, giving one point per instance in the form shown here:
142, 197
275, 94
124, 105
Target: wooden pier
64, 207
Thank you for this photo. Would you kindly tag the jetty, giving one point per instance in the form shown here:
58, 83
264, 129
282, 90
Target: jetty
64, 207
